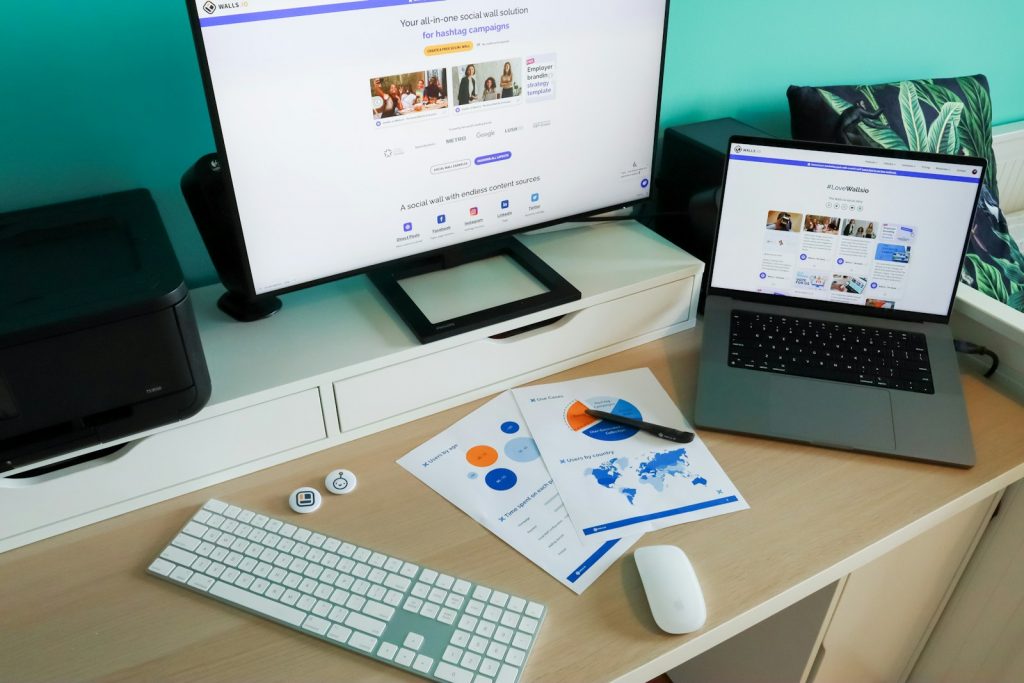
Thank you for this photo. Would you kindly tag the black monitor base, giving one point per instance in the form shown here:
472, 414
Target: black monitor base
247, 310
386, 279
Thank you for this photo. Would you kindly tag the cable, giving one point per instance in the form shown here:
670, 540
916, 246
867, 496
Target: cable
978, 350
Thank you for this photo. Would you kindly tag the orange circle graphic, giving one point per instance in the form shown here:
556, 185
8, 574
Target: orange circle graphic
482, 456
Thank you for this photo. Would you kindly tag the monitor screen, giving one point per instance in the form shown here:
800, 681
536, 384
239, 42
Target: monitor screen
854, 227
357, 133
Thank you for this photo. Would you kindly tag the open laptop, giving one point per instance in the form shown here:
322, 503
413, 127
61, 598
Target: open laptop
830, 289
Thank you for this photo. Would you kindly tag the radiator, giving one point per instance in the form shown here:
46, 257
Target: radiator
1008, 144
976, 317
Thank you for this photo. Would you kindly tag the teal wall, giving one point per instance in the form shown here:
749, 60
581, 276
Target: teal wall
104, 95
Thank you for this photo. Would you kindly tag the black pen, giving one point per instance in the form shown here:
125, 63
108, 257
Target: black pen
667, 433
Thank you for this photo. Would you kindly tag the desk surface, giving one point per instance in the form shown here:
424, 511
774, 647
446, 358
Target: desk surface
80, 606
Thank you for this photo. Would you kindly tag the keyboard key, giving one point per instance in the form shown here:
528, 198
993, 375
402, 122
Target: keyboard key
529, 625
498, 598
460, 639
515, 657
496, 650
522, 641
471, 661
486, 629
510, 619
161, 566
452, 674
200, 582
215, 506
481, 593
339, 633
478, 644
447, 616
489, 667
413, 641
492, 613
516, 604
444, 581
365, 623
503, 635
361, 641
405, 657
393, 598
461, 587
257, 603
421, 590
507, 674
387, 651
361, 555
413, 605
467, 622
178, 556
428, 576
378, 610
409, 570
430, 610
316, 625
338, 615
475, 607
452, 654
423, 663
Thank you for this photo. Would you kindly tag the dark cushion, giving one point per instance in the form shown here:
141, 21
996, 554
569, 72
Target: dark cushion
946, 115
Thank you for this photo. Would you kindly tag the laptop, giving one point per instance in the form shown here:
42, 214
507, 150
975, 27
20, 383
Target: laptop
830, 288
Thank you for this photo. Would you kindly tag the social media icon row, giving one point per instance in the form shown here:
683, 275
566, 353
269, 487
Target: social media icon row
473, 212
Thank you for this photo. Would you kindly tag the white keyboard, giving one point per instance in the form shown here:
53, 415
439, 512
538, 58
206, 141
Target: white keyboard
424, 621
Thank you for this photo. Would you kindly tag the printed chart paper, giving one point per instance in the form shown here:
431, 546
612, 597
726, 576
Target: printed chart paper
616, 479
487, 464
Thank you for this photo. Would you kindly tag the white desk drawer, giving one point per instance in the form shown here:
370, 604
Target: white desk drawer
156, 467
396, 389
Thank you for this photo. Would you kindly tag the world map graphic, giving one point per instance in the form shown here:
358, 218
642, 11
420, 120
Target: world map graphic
626, 477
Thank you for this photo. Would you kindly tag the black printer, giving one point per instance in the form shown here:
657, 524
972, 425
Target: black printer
97, 334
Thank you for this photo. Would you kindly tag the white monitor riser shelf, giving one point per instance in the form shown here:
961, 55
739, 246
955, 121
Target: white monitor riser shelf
336, 364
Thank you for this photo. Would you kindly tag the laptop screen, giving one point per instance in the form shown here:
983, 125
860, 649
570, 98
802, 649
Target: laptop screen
855, 228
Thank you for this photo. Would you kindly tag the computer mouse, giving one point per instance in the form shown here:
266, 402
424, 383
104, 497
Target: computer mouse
673, 592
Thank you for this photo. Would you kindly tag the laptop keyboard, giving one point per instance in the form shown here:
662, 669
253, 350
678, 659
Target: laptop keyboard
820, 349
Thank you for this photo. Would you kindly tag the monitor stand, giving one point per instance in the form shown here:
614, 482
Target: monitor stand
433, 308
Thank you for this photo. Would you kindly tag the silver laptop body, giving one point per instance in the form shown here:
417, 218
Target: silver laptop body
828, 237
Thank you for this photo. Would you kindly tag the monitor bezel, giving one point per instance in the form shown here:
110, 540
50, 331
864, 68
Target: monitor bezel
237, 234
832, 306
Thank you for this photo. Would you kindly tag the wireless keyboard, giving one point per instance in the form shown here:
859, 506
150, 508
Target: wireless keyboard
417, 619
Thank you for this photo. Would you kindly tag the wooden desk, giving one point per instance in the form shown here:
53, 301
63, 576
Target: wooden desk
80, 606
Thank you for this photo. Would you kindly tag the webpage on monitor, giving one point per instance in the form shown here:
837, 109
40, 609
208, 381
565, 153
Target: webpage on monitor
846, 228
361, 132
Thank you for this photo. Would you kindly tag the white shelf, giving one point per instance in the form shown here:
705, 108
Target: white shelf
336, 364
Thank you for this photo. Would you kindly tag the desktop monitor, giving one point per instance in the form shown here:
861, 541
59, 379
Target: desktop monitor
391, 137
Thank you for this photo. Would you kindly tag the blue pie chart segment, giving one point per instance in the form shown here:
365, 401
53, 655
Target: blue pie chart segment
523, 449
610, 431
501, 479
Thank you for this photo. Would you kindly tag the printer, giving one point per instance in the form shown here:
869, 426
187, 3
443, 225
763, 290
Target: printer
98, 339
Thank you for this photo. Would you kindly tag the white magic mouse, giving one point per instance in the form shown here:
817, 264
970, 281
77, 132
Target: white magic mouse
672, 589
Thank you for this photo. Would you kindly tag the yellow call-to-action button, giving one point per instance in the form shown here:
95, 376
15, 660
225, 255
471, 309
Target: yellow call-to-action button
448, 48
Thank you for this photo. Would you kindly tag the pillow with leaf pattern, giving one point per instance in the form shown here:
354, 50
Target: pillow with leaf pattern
944, 115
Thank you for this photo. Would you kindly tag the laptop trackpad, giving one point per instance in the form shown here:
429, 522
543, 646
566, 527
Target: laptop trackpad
831, 413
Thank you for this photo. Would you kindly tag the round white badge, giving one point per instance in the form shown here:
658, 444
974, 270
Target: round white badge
341, 482
305, 500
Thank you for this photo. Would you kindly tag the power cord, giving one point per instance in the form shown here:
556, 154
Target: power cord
978, 350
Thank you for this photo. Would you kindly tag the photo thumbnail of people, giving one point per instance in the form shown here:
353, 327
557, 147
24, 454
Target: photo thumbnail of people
823, 224
786, 221
408, 94
855, 228
487, 81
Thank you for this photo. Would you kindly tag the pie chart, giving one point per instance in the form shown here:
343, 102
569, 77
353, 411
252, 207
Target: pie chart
602, 430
